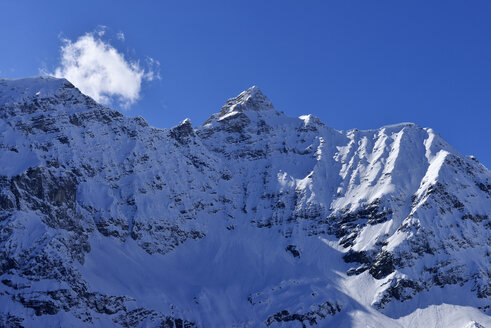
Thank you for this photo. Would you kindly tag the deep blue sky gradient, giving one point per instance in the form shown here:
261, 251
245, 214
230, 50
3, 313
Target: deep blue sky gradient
359, 64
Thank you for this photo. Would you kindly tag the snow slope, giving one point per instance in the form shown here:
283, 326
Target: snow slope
254, 219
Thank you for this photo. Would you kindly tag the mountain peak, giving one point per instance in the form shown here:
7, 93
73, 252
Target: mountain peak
253, 91
251, 99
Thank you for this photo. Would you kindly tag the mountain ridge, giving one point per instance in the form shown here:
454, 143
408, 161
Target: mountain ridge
259, 218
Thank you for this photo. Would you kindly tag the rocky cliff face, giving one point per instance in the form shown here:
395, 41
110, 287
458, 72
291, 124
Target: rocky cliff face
254, 219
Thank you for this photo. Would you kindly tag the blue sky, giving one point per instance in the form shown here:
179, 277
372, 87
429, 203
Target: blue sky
359, 64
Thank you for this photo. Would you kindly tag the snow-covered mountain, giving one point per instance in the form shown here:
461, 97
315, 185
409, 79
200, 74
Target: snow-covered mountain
254, 219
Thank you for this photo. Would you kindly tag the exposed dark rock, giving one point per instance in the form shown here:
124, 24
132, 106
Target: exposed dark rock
182, 132
311, 318
115, 227
162, 238
170, 322
40, 307
476, 217
346, 225
484, 187
401, 290
383, 265
293, 250
358, 270
449, 199
7, 320
359, 257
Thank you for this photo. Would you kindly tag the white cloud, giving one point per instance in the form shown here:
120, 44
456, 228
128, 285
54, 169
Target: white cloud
153, 72
100, 71
101, 30
120, 36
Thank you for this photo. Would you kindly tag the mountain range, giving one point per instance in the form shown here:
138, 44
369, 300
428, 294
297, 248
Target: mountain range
253, 219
